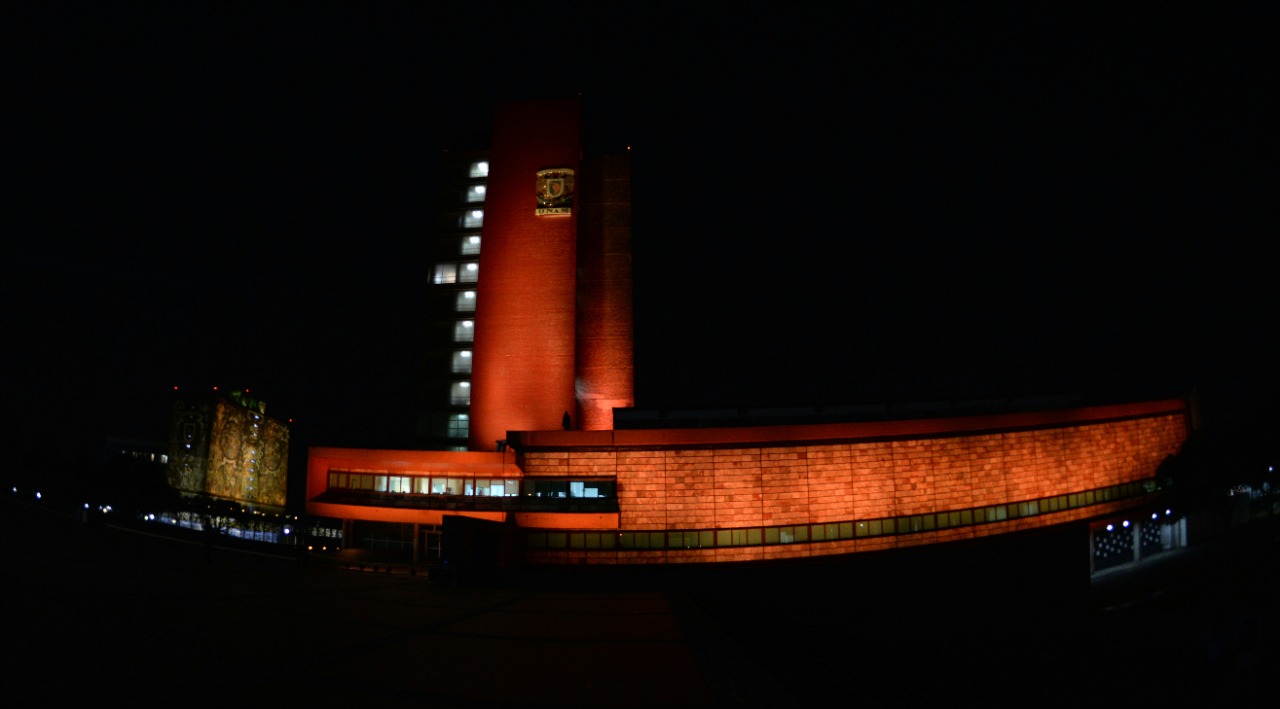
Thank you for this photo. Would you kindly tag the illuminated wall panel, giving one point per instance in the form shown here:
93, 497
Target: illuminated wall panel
229, 450
248, 457
942, 471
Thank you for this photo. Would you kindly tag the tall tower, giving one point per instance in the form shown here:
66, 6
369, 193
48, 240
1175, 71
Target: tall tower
523, 370
537, 325
604, 367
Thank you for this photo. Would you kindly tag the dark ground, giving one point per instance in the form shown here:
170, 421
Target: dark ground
115, 617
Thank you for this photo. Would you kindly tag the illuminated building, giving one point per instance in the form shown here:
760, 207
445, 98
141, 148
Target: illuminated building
569, 472
226, 447
530, 300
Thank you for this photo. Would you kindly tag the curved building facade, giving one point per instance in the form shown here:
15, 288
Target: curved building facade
754, 493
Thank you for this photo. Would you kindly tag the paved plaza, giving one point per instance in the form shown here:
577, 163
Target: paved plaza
114, 617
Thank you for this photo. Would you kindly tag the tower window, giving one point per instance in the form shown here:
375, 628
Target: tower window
473, 219
445, 273
464, 331
475, 193
460, 394
466, 301
469, 273
470, 244
462, 362
459, 426
480, 168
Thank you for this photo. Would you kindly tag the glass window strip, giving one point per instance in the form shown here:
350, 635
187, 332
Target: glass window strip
827, 531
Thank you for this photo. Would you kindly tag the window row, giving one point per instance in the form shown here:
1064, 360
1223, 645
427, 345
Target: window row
424, 485
589, 488
830, 531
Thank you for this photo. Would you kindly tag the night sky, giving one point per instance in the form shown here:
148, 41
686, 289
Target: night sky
884, 202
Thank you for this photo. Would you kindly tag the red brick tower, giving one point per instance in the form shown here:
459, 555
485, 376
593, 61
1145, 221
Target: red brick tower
523, 375
605, 369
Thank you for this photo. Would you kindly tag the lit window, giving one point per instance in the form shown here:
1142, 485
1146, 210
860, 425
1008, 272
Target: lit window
460, 394
466, 301
475, 193
471, 244
462, 362
470, 273
480, 169
398, 483
459, 426
464, 331
445, 273
473, 219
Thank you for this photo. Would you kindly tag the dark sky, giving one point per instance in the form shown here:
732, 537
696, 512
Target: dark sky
887, 201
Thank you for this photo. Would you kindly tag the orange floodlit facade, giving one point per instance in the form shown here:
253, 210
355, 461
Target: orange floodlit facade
523, 376
770, 492
538, 273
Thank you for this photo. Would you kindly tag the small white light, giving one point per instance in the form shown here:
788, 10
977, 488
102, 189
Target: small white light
1155, 516
1168, 512
1126, 523
38, 495
1110, 528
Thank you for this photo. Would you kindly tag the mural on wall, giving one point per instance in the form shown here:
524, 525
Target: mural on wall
228, 450
189, 445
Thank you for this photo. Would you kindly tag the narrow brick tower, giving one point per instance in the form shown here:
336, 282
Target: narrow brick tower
531, 285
